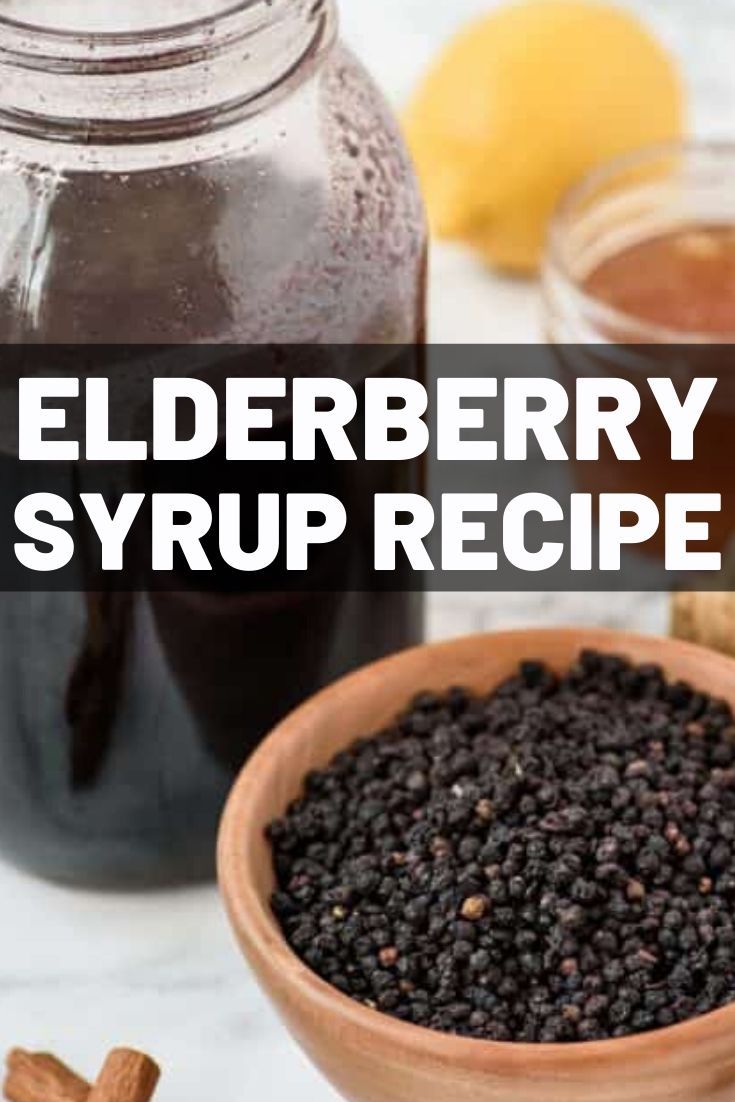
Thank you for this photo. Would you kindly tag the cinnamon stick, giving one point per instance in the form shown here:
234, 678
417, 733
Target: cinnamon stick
40, 1077
127, 1076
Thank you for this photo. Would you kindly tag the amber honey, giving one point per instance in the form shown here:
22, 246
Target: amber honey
680, 287
683, 281
639, 282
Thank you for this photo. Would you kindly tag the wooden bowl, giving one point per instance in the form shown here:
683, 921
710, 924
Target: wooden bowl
370, 1057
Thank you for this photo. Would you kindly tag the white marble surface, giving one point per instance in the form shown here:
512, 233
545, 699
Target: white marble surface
81, 972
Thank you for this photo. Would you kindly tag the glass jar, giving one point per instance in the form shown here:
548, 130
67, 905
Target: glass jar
638, 282
232, 179
652, 195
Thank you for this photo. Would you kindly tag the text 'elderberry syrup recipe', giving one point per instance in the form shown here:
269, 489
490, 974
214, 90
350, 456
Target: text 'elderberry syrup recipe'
554, 861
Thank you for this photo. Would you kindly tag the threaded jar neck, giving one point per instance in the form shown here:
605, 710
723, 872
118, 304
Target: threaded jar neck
154, 83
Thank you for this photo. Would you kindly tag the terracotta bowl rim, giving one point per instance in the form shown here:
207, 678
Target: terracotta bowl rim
257, 928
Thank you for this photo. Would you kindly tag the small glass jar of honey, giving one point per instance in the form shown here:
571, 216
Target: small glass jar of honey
639, 280
643, 251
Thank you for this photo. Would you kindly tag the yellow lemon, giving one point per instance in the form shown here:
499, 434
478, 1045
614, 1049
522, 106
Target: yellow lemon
521, 104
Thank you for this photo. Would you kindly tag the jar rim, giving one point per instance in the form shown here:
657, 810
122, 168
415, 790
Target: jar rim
192, 80
179, 26
37, 45
603, 315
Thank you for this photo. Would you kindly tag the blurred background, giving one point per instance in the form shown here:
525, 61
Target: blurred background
469, 301
397, 39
